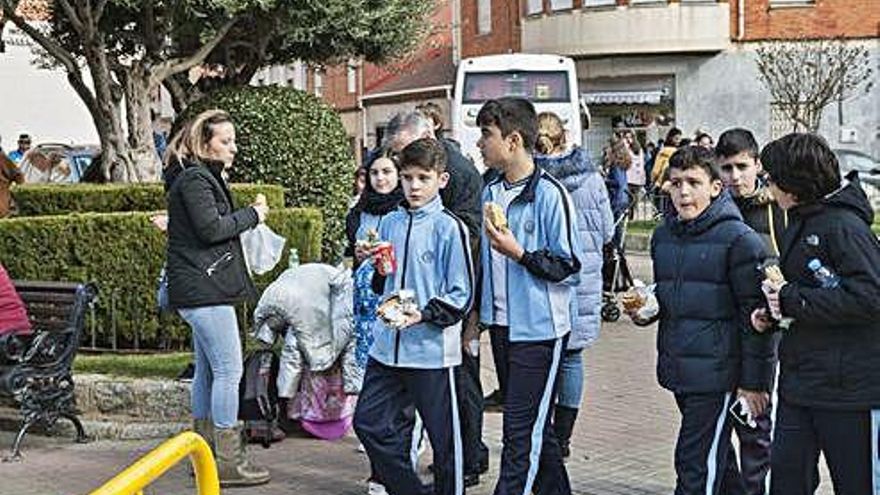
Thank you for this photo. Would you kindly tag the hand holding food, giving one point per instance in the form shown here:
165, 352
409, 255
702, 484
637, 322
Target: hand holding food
495, 215
399, 310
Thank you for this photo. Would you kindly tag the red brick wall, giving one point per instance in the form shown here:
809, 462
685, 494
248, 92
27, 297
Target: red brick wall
821, 19
504, 36
336, 93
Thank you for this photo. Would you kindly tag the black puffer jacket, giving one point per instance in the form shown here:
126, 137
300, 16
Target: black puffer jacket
707, 285
830, 354
205, 263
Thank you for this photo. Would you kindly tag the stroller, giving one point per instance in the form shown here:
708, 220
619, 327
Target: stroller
616, 276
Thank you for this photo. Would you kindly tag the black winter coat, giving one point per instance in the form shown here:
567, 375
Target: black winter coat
708, 283
205, 262
830, 355
461, 195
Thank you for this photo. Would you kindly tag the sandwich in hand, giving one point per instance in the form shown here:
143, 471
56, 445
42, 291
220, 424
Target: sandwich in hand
495, 215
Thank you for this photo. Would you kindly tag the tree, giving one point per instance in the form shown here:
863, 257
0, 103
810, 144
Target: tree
116, 53
805, 76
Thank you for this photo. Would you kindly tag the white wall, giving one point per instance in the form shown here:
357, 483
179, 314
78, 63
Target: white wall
37, 101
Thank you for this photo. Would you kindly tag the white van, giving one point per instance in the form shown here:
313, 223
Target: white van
548, 81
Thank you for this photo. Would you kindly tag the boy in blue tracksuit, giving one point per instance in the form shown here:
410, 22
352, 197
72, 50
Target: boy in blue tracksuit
412, 365
529, 271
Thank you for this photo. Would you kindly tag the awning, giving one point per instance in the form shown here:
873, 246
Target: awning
651, 97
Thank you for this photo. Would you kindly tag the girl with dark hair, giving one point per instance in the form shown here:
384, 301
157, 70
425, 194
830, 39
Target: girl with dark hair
829, 385
382, 194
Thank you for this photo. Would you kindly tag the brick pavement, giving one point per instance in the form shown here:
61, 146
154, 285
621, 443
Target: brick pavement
623, 440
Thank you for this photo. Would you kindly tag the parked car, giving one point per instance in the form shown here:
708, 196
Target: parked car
59, 163
869, 172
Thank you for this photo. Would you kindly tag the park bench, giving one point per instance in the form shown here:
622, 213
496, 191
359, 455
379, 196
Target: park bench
35, 370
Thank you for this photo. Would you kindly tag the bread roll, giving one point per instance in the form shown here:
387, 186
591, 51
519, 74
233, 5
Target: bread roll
495, 215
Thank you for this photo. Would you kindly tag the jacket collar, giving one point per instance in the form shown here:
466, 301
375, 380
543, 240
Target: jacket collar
528, 192
433, 206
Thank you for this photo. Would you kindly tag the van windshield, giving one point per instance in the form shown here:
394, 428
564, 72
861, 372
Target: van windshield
535, 86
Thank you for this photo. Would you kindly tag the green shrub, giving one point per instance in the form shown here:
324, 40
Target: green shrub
42, 199
123, 253
290, 137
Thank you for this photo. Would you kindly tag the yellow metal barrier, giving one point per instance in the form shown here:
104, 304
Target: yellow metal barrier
153, 465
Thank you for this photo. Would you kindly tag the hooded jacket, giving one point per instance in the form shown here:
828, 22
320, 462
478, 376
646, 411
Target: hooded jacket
708, 283
830, 354
595, 227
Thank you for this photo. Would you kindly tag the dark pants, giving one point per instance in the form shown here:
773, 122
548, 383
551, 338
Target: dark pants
470, 409
802, 432
705, 462
754, 452
386, 392
499, 337
527, 466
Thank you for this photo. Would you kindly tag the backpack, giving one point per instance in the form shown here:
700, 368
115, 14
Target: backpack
258, 398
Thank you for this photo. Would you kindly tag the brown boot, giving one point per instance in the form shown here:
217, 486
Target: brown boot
233, 466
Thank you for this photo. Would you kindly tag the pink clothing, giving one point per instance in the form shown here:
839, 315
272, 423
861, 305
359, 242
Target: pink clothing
13, 315
322, 406
635, 174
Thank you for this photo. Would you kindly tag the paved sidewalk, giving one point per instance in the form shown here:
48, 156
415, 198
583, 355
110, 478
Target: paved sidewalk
623, 441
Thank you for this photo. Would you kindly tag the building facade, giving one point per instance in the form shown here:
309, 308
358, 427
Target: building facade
653, 64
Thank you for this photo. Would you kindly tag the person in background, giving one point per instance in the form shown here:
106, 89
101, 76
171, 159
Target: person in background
635, 174
658, 170
9, 174
737, 155
572, 167
618, 160
829, 381
24, 144
207, 276
704, 139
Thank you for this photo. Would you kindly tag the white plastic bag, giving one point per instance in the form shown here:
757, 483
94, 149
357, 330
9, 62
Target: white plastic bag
262, 248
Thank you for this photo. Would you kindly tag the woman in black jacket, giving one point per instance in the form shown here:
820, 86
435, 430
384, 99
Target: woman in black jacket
206, 277
830, 353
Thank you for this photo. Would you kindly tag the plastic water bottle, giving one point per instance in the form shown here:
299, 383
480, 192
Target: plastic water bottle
293, 260
826, 278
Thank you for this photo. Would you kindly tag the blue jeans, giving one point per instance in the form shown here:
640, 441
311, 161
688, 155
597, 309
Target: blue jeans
571, 380
218, 363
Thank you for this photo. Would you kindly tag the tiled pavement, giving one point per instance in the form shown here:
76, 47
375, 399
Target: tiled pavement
622, 446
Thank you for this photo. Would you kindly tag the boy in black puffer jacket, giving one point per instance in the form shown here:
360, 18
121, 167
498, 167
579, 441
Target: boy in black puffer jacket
705, 267
829, 383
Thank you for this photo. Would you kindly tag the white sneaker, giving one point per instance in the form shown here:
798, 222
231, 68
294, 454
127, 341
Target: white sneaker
374, 488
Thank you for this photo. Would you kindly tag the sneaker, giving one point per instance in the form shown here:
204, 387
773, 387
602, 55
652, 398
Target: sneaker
493, 402
186, 376
374, 488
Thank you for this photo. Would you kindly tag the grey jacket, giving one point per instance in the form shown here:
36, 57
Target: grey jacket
595, 224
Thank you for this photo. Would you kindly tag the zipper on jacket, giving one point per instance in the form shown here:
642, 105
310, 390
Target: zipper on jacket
403, 283
227, 256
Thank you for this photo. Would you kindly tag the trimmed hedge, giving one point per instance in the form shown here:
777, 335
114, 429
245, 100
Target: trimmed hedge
292, 138
42, 199
123, 253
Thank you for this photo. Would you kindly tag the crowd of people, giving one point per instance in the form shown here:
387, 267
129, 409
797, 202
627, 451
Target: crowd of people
518, 252
733, 210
